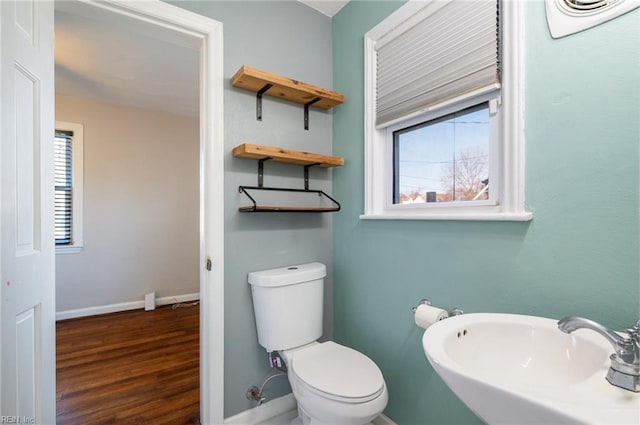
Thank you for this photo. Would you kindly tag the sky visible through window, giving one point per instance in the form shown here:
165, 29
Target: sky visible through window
445, 159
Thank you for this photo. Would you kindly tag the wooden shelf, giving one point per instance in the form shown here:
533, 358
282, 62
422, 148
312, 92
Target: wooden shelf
257, 206
252, 151
266, 208
269, 153
255, 80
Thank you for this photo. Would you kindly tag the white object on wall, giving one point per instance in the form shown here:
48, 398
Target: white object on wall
150, 301
566, 17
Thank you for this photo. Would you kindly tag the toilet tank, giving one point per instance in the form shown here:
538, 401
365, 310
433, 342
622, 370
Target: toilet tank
287, 303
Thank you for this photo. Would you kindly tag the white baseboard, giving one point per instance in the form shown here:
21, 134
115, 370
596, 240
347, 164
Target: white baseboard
131, 305
383, 420
269, 410
281, 411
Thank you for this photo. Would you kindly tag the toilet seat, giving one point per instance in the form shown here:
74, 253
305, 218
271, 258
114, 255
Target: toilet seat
337, 372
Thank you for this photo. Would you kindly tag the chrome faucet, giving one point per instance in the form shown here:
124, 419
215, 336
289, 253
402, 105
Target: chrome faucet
625, 362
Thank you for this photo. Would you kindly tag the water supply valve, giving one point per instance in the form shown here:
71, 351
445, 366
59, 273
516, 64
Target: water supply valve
275, 361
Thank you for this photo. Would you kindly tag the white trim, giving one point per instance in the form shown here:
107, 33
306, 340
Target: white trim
131, 305
408, 14
279, 411
51, 277
212, 227
511, 191
493, 216
206, 34
383, 420
276, 408
512, 195
77, 186
69, 249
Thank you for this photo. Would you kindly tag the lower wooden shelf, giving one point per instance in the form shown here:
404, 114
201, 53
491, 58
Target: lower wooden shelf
257, 206
280, 208
324, 202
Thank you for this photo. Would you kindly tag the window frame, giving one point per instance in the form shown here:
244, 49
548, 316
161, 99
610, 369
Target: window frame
77, 192
507, 160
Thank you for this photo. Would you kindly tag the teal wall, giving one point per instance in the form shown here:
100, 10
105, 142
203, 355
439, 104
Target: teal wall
578, 256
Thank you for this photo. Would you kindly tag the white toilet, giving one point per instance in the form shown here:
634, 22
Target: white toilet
332, 384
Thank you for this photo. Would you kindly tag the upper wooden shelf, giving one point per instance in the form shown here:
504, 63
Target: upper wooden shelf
255, 79
248, 150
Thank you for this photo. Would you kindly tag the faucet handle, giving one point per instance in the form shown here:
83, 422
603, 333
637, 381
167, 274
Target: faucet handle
634, 333
634, 329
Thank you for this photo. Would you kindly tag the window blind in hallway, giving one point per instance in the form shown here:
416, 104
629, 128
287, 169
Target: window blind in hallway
63, 187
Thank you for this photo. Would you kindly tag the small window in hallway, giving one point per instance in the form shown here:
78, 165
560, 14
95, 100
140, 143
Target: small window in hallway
68, 177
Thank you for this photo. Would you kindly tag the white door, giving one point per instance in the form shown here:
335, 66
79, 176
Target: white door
27, 350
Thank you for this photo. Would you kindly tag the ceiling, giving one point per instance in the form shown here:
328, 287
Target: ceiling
113, 59
328, 7
105, 57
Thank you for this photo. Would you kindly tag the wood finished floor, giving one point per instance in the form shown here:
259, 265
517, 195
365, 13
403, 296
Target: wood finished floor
134, 368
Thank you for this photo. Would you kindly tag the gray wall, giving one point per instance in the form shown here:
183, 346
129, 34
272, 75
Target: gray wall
141, 206
293, 40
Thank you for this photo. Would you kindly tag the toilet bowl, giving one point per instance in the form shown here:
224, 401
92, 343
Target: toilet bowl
331, 383
334, 384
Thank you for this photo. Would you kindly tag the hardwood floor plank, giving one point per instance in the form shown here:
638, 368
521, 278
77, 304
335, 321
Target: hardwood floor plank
136, 367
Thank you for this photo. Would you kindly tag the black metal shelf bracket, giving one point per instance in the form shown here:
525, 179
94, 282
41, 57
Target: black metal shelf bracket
261, 170
306, 174
265, 88
306, 112
262, 91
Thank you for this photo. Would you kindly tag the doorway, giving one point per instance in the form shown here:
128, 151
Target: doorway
181, 28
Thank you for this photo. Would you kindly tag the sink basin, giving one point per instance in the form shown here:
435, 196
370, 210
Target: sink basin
515, 369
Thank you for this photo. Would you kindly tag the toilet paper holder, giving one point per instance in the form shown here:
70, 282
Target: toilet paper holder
453, 312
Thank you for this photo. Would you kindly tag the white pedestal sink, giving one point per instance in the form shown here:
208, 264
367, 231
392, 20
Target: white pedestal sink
515, 369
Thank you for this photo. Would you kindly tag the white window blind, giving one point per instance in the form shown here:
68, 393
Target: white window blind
451, 52
63, 187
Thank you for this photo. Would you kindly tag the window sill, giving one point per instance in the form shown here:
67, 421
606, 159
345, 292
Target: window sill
76, 249
523, 216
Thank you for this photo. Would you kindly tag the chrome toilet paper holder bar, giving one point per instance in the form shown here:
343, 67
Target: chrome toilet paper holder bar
423, 301
453, 312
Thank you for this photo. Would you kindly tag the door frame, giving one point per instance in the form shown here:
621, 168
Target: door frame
204, 34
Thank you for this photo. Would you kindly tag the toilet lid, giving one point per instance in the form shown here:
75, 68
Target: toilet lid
337, 370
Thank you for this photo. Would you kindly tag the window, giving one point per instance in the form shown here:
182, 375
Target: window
68, 169
443, 160
443, 112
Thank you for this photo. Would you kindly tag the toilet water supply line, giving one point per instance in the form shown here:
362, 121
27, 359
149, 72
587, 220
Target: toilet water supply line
255, 393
